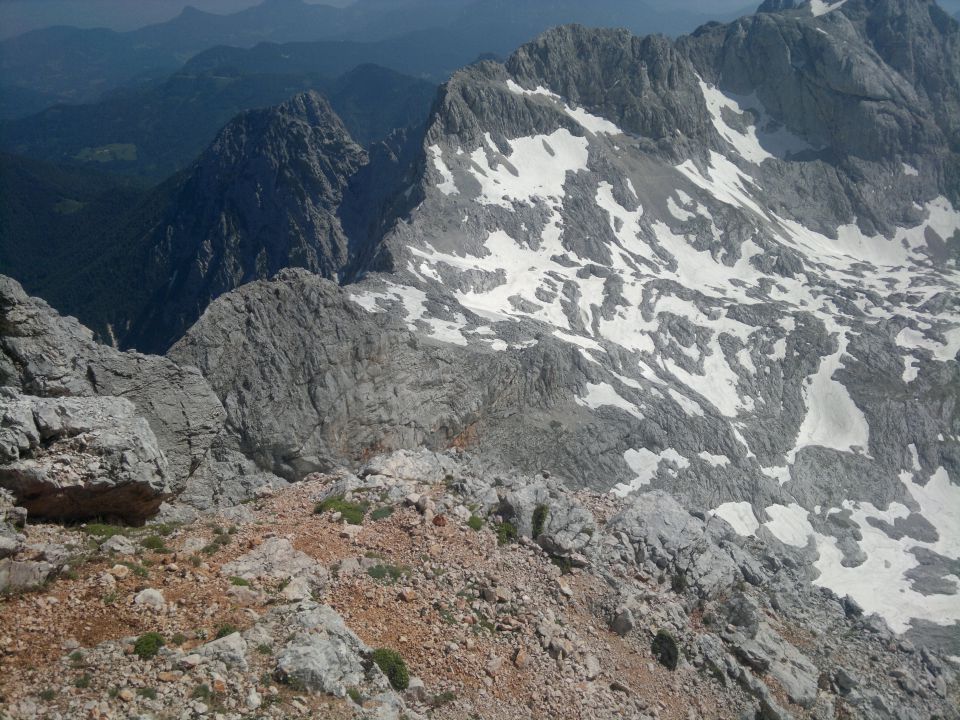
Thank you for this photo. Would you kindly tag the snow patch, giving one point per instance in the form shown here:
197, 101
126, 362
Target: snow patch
789, 524
645, 464
448, 185
739, 515
600, 394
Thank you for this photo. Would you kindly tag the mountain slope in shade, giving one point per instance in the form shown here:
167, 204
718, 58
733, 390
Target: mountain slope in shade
264, 196
168, 124
643, 264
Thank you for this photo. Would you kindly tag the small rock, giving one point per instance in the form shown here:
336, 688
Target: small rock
120, 571
623, 623
150, 598
494, 666
416, 690
126, 695
408, 595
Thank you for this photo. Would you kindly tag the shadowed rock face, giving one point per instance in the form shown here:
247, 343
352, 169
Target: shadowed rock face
264, 196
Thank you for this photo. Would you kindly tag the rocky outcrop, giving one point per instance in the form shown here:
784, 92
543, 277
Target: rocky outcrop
46, 355
77, 458
146, 411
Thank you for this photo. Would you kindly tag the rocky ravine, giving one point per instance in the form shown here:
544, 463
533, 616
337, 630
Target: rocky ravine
507, 596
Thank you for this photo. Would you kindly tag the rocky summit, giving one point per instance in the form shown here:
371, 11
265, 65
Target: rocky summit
627, 386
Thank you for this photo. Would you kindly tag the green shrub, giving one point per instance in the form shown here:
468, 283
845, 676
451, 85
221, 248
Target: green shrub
264, 649
201, 692
148, 645
506, 533
155, 543
381, 513
540, 520
220, 540
48, 695
82, 682
178, 639
443, 698
393, 666
352, 513
666, 650
390, 573
148, 693
475, 523
225, 630
239, 582
138, 570
355, 695
678, 582
564, 563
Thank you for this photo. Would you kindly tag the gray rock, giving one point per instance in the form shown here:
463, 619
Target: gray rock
325, 656
277, 559
79, 458
118, 544
48, 356
231, 650
23, 575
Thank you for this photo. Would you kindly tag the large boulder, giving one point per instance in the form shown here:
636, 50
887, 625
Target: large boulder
78, 458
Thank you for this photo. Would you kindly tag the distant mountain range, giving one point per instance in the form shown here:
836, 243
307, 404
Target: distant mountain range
157, 129
432, 37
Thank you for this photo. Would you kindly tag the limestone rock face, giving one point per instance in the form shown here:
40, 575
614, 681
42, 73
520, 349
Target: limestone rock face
78, 458
46, 355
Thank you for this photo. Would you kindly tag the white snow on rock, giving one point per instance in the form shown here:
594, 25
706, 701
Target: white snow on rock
601, 394
645, 464
595, 124
740, 517
761, 139
821, 7
715, 460
789, 524
833, 420
879, 585
448, 185
915, 340
536, 167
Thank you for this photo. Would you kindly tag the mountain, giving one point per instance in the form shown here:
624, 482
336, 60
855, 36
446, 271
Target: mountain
79, 65
430, 37
628, 383
158, 129
643, 264
267, 194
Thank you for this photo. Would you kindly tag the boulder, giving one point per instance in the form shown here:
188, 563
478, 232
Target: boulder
80, 458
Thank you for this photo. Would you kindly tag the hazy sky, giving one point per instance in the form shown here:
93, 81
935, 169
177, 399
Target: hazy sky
19, 16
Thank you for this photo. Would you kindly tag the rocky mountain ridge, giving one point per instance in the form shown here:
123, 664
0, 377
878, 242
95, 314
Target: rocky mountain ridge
715, 301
